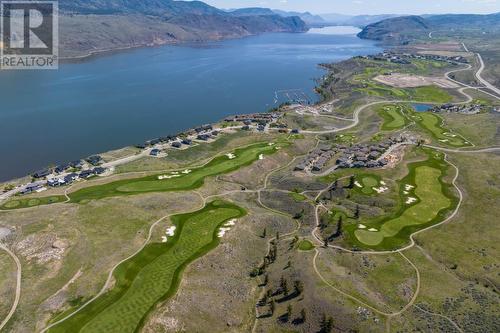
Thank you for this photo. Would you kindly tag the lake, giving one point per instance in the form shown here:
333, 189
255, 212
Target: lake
422, 107
49, 117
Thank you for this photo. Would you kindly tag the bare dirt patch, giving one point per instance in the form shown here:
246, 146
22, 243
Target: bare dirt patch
448, 46
398, 80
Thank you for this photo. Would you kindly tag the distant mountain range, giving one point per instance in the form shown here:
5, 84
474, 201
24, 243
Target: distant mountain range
357, 21
89, 26
404, 29
316, 20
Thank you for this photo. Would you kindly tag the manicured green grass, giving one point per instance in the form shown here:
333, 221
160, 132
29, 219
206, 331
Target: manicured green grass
181, 182
298, 197
431, 94
431, 201
434, 199
368, 183
306, 245
393, 117
31, 202
174, 182
433, 124
153, 275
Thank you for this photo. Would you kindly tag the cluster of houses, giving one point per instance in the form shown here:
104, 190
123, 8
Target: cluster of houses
368, 155
362, 156
260, 118
405, 58
60, 180
357, 156
207, 132
461, 108
317, 159
65, 174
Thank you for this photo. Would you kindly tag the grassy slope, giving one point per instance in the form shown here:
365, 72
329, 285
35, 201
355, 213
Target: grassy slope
154, 274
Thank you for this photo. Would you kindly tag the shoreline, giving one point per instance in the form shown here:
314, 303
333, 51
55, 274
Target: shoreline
90, 55
98, 53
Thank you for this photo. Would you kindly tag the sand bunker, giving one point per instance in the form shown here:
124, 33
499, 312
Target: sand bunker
222, 232
231, 156
169, 233
168, 177
187, 171
362, 226
358, 184
373, 230
409, 187
230, 223
261, 156
411, 200
380, 189
399, 80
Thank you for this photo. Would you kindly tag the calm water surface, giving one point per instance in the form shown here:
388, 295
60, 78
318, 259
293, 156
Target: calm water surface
118, 100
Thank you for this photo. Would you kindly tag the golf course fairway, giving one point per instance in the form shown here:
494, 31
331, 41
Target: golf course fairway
433, 124
176, 181
153, 275
182, 180
393, 117
425, 200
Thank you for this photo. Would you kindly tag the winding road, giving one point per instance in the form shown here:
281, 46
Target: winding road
18, 286
481, 79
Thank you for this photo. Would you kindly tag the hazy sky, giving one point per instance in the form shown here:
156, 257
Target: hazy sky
368, 6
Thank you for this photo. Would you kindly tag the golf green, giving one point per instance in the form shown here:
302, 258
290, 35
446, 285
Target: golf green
393, 117
306, 245
433, 124
428, 189
153, 275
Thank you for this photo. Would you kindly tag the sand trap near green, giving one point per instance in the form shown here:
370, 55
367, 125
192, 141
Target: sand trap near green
154, 274
428, 189
433, 124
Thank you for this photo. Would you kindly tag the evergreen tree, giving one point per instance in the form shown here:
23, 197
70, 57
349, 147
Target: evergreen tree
298, 287
357, 212
289, 310
352, 180
303, 316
